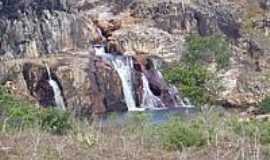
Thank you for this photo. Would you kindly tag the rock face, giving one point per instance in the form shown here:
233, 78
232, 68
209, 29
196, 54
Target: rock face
149, 41
33, 28
59, 32
175, 17
87, 86
107, 85
36, 78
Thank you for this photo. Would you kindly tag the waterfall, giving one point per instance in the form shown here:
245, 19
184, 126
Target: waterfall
100, 50
182, 101
56, 90
173, 91
149, 99
186, 103
124, 68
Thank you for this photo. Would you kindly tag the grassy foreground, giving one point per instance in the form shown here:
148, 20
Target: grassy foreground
27, 132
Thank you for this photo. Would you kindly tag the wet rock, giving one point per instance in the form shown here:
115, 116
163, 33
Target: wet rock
157, 84
109, 85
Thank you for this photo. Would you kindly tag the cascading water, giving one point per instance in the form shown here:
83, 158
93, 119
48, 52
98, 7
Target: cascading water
183, 102
149, 99
186, 103
124, 67
100, 50
56, 90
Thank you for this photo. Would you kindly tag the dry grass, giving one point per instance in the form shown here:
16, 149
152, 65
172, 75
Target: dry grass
86, 144
134, 141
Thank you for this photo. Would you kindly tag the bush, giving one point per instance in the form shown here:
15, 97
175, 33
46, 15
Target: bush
176, 135
253, 129
55, 121
265, 104
201, 50
192, 77
191, 80
17, 114
22, 116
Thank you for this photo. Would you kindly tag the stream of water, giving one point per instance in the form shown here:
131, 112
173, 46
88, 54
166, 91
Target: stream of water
59, 100
124, 66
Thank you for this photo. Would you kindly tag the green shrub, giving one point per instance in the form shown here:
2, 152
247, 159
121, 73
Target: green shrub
201, 50
265, 104
20, 116
244, 128
265, 133
177, 135
17, 114
191, 80
252, 129
55, 121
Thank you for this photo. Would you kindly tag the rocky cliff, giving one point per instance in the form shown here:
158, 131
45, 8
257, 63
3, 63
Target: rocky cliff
60, 32
34, 28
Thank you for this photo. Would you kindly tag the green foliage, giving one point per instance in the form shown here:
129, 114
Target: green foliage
201, 50
191, 80
17, 114
20, 116
253, 129
265, 104
177, 135
55, 121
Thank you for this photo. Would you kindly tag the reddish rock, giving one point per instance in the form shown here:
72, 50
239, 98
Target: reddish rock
107, 84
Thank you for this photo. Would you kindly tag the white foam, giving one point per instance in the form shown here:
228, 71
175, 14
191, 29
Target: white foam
59, 100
